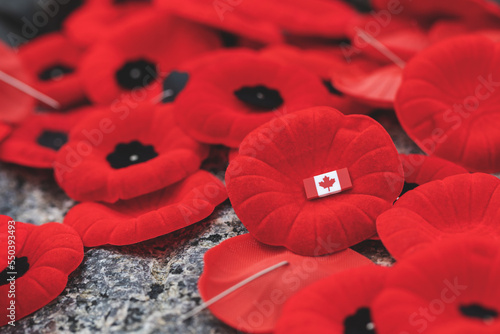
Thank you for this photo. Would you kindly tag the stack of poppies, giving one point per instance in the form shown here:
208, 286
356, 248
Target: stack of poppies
149, 90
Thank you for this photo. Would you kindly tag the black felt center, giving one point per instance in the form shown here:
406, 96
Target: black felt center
359, 323
173, 85
332, 90
55, 72
136, 74
52, 139
14, 270
477, 311
260, 97
133, 153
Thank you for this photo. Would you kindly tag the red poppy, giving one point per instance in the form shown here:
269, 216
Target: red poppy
126, 153
240, 90
448, 100
449, 288
266, 181
16, 105
35, 142
148, 216
130, 58
40, 261
338, 304
53, 60
256, 306
460, 204
88, 24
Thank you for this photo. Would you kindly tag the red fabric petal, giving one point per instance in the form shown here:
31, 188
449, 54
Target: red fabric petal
46, 53
448, 100
255, 308
426, 292
83, 170
210, 112
324, 307
461, 204
53, 251
421, 169
445, 29
265, 182
148, 216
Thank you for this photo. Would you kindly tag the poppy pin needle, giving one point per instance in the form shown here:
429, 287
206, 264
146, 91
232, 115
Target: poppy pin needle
27, 89
232, 289
380, 47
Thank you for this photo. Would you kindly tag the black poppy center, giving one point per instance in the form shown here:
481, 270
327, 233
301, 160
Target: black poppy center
133, 153
173, 85
359, 323
477, 311
55, 72
260, 97
331, 89
52, 139
136, 74
16, 269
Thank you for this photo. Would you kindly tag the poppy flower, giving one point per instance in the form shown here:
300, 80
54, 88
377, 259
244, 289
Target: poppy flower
88, 24
460, 204
338, 304
148, 216
122, 154
240, 90
255, 307
16, 105
448, 100
40, 263
130, 60
449, 288
35, 142
266, 181
53, 60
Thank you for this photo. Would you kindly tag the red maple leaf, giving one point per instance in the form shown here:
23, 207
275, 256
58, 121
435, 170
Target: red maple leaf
327, 183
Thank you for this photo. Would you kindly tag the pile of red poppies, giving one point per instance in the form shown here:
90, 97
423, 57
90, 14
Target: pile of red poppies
147, 88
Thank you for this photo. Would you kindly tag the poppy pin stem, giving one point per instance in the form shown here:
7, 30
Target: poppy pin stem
232, 289
381, 47
27, 89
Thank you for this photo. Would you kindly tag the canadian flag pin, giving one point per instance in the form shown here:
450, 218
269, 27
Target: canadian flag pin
327, 184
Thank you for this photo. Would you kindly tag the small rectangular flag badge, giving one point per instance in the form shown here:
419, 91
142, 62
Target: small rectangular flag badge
327, 184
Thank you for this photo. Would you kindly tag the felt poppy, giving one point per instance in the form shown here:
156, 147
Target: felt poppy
449, 288
16, 105
338, 304
35, 142
266, 181
240, 90
148, 216
53, 60
88, 24
121, 154
35, 264
130, 60
448, 100
460, 204
256, 306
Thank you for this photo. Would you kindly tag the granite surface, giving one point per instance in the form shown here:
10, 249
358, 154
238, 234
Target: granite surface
142, 288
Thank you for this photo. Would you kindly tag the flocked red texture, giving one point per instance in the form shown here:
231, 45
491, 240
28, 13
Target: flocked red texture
16, 105
136, 39
444, 29
255, 308
209, 111
46, 52
323, 307
22, 146
424, 293
84, 173
420, 169
53, 251
460, 204
265, 182
448, 101
148, 216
